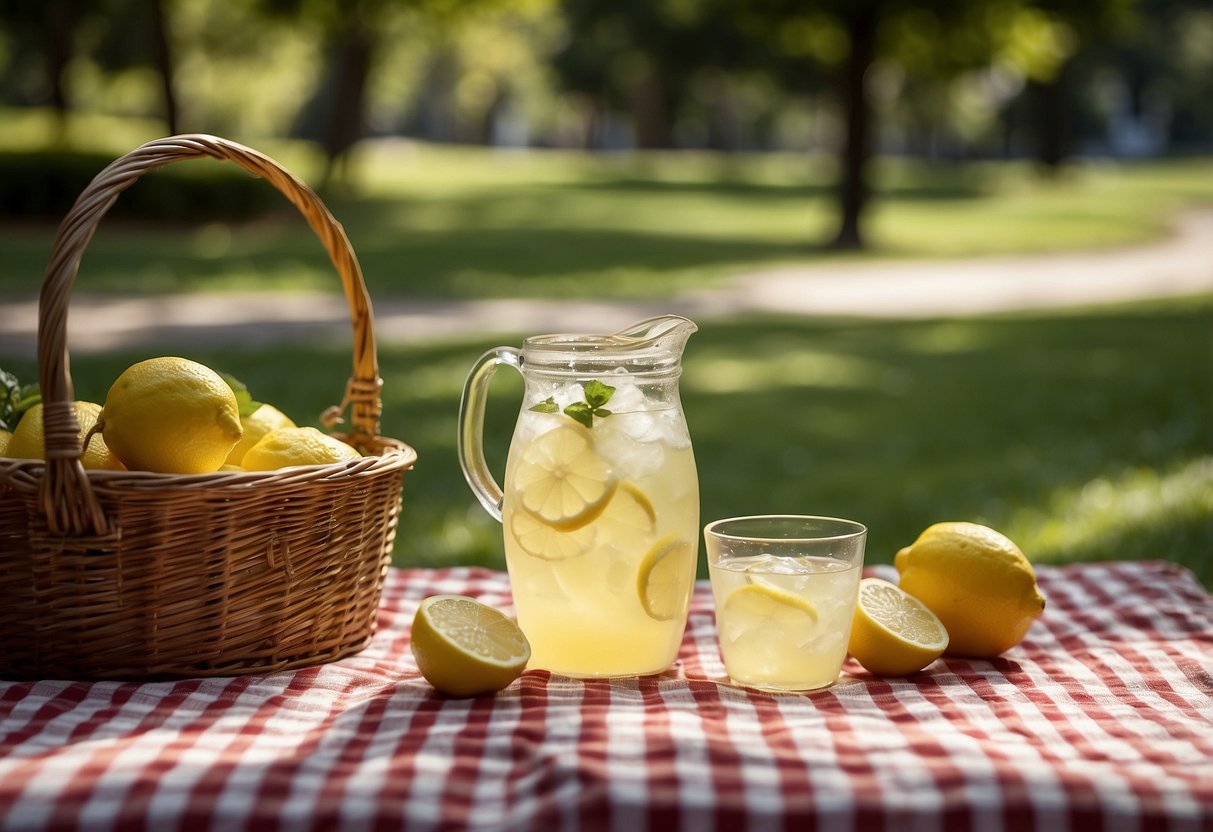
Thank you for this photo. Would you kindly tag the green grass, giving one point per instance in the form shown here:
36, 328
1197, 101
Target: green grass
1084, 435
472, 223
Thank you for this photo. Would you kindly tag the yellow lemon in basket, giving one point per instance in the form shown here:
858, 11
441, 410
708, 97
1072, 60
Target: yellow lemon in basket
296, 446
256, 425
977, 581
466, 648
29, 442
5, 436
171, 415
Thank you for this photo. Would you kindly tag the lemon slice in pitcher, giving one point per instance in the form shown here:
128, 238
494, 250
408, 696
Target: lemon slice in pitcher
664, 581
630, 515
542, 541
561, 480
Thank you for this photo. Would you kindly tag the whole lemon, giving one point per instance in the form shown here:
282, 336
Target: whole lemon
977, 581
256, 425
29, 442
5, 436
296, 446
171, 415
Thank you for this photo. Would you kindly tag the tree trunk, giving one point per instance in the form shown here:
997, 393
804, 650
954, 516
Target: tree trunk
1053, 120
652, 112
852, 188
59, 22
346, 121
162, 54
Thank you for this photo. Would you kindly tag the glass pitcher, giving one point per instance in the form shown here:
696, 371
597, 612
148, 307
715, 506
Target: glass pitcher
600, 506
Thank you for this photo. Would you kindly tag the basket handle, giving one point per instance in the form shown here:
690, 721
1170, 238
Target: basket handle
67, 499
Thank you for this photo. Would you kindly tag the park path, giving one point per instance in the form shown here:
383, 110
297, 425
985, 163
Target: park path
1181, 264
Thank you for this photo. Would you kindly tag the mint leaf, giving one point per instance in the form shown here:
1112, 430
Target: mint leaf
548, 405
597, 394
244, 400
580, 412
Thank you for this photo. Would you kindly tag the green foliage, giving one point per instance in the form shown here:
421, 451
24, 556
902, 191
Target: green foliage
245, 403
15, 399
44, 185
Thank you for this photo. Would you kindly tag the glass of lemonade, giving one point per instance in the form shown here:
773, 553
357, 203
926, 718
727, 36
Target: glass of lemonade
600, 500
785, 588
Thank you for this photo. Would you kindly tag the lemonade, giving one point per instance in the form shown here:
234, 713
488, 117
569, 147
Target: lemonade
785, 587
784, 622
601, 524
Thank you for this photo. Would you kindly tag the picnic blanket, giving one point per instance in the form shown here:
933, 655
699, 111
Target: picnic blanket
1101, 719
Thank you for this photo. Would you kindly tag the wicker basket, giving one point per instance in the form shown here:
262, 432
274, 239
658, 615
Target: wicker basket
135, 575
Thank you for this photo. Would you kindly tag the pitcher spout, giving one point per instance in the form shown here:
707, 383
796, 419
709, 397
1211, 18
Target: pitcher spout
652, 346
663, 334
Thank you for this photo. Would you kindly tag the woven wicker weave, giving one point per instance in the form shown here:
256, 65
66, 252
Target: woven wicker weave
135, 575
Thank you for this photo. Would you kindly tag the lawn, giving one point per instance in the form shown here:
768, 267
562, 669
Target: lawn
1084, 435
471, 223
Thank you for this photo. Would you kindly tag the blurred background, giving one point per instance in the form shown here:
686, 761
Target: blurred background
624, 152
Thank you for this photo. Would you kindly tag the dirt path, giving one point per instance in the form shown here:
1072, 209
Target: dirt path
1179, 265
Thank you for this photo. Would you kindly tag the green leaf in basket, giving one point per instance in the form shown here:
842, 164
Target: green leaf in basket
15, 399
244, 400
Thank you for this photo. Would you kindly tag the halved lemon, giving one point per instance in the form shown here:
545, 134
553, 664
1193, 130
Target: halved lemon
542, 541
562, 480
893, 633
765, 606
466, 648
666, 575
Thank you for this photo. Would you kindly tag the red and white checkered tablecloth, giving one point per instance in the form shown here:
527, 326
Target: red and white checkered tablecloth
1101, 719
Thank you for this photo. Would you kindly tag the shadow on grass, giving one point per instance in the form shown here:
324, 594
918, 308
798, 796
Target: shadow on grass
525, 262
1084, 435
612, 236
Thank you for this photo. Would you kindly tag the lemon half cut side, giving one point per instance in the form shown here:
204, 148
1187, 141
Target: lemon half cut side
893, 633
466, 648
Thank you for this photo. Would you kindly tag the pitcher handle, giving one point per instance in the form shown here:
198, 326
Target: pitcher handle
471, 426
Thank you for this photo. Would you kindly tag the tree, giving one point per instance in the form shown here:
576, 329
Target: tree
124, 34
642, 57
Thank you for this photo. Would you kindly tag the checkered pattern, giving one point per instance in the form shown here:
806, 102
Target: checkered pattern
1101, 719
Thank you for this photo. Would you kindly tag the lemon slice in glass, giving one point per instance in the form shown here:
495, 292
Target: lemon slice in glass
667, 573
466, 648
893, 633
562, 480
763, 606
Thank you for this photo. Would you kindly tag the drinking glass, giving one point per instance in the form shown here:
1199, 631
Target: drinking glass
785, 588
